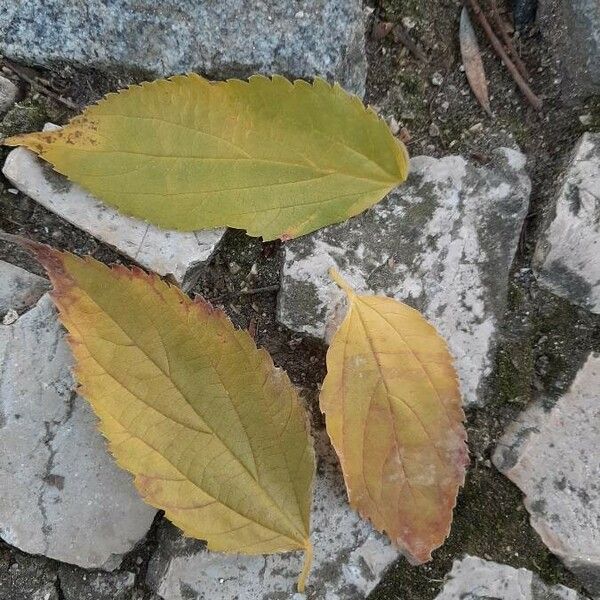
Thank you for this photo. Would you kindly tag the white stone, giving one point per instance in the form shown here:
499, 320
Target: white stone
443, 242
163, 251
552, 455
63, 496
19, 289
567, 258
473, 578
8, 94
349, 555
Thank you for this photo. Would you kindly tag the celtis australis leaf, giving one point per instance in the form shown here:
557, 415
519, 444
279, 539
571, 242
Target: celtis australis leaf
393, 412
275, 158
213, 433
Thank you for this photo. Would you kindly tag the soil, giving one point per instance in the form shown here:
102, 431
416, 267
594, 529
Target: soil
544, 339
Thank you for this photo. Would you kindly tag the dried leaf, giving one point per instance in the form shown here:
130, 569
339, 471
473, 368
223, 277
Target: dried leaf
275, 158
213, 433
472, 61
393, 413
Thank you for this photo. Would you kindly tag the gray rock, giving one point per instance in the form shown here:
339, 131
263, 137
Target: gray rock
8, 94
473, 578
553, 457
77, 584
301, 38
349, 556
27, 578
165, 252
19, 289
567, 257
564, 21
443, 243
63, 496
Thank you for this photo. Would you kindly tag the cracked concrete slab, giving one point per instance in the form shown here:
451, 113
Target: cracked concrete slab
63, 496
473, 578
567, 256
552, 455
19, 289
443, 242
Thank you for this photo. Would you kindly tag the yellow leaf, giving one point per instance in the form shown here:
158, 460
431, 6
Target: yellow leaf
275, 158
393, 413
213, 433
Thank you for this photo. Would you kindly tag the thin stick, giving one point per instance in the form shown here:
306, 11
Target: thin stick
19, 72
501, 27
535, 102
401, 35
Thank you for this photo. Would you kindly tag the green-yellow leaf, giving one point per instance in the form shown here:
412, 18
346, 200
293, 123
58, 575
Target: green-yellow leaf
394, 415
275, 158
213, 433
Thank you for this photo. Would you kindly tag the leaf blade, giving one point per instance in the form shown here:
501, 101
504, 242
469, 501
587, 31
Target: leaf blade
472, 61
275, 158
211, 431
393, 413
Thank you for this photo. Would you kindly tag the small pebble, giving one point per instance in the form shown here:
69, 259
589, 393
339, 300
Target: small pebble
434, 130
10, 317
409, 22
437, 79
394, 126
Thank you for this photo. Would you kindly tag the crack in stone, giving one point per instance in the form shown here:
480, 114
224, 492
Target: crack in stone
48, 477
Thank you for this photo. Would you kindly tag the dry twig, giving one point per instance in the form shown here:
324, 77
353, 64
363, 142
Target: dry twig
501, 28
37, 85
535, 102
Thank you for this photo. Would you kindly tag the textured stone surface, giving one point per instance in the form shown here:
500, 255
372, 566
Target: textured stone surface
8, 93
473, 578
553, 457
19, 289
27, 578
77, 584
443, 242
567, 258
300, 38
562, 22
162, 251
62, 496
349, 556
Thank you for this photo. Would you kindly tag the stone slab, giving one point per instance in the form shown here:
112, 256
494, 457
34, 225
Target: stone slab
473, 578
19, 289
8, 94
552, 455
349, 560
63, 496
165, 252
443, 242
567, 257
301, 38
